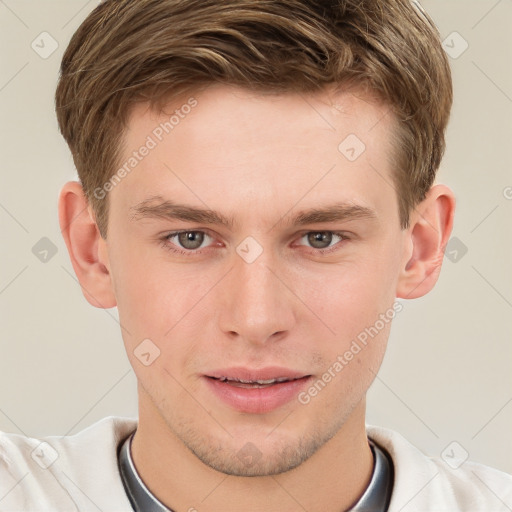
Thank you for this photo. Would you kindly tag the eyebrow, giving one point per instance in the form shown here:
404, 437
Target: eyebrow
158, 208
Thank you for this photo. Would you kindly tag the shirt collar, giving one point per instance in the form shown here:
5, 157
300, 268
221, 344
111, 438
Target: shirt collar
375, 498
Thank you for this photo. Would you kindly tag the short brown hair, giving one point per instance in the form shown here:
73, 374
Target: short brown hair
128, 51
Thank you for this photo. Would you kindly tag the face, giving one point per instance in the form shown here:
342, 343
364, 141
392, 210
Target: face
286, 280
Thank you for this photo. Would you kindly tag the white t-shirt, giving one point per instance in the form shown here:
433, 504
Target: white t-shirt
80, 473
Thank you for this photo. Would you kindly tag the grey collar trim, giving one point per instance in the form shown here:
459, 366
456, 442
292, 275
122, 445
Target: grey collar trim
376, 497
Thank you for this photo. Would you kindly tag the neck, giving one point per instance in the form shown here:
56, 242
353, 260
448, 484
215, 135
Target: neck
331, 480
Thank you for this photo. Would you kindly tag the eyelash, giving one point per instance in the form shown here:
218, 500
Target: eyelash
166, 244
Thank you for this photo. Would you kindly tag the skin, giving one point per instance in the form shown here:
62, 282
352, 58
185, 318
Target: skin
259, 160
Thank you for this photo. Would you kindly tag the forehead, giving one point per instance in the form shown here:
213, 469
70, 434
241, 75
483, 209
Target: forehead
221, 108
233, 147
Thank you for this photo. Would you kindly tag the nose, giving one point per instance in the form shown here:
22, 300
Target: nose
256, 305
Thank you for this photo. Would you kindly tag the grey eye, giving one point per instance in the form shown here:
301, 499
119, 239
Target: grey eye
320, 239
191, 239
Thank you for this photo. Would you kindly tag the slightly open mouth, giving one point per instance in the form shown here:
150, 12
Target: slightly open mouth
255, 384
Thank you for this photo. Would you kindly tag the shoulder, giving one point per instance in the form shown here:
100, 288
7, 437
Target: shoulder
442, 484
64, 472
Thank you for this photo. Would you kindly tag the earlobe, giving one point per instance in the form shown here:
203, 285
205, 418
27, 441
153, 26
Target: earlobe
431, 224
86, 247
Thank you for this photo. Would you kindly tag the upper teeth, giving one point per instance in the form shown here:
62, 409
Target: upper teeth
267, 381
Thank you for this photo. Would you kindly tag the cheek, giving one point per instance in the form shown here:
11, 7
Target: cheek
156, 311
349, 297
151, 293
161, 302
351, 362
355, 299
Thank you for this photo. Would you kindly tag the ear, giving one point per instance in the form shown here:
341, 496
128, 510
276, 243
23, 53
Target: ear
87, 249
429, 230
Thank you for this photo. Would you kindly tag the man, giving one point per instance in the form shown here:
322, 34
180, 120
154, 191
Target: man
256, 191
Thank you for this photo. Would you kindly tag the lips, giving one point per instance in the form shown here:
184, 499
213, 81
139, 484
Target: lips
250, 375
251, 384
256, 391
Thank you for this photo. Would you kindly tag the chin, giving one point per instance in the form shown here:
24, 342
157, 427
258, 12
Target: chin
255, 453
252, 460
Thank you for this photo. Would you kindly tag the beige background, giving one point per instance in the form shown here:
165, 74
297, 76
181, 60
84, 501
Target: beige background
447, 374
